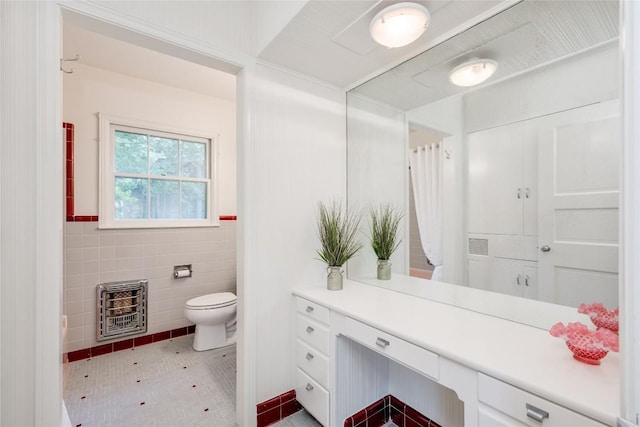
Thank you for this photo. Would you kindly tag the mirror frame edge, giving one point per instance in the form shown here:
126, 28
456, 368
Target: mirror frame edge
629, 215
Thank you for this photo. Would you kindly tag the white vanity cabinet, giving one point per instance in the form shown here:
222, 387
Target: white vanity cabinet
502, 405
361, 343
312, 359
404, 352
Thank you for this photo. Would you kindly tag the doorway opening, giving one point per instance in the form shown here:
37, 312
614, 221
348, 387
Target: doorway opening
128, 75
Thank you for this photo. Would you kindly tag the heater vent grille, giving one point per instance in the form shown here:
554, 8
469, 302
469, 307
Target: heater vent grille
122, 309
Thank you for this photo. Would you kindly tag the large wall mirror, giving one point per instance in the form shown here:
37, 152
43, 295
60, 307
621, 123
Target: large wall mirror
515, 180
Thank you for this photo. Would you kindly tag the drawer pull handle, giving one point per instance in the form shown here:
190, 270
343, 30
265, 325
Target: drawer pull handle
536, 414
309, 309
381, 342
309, 329
309, 387
309, 356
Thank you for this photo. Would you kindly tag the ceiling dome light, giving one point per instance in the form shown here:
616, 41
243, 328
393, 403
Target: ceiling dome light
473, 72
399, 24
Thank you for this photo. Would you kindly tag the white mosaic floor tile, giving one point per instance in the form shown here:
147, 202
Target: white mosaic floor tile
161, 384
299, 419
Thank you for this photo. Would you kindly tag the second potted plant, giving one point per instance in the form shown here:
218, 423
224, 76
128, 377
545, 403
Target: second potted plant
337, 232
385, 224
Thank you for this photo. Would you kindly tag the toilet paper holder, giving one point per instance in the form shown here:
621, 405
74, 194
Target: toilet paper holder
182, 271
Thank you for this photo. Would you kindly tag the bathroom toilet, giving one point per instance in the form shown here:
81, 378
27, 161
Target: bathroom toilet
215, 319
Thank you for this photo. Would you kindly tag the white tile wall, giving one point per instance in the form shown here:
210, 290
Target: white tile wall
93, 256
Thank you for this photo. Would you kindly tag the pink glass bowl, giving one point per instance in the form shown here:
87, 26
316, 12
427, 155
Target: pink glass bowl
588, 346
585, 353
600, 316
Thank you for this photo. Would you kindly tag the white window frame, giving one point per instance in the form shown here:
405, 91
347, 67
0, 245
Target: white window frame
106, 219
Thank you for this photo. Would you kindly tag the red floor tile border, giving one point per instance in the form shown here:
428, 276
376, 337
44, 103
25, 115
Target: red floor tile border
130, 343
386, 409
275, 409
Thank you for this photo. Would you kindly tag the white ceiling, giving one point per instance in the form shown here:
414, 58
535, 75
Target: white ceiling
109, 54
525, 36
326, 40
329, 40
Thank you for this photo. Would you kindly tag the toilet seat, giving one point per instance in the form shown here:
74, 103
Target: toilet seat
211, 301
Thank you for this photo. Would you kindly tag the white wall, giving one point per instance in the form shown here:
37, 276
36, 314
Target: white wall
295, 156
30, 215
89, 91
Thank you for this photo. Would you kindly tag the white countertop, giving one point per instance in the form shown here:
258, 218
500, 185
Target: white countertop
518, 354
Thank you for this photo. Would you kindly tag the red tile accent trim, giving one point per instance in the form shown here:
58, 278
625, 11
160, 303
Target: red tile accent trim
79, 218
289, 408
69, 132
269, 417
87, 353
385, 409
275, 409
175, 333
290, 395
101, 349
79, 354
94, 218
143, 340
268, 405
161, 336
123, 345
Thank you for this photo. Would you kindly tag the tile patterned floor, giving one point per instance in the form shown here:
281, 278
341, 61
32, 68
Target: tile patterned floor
161, 384
299, 419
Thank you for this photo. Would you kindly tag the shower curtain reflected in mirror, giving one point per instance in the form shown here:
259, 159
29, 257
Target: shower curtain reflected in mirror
426, 164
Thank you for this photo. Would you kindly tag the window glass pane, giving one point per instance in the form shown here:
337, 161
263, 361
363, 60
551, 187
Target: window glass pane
163, 156
165, 199
130, 152
194, 164
194, 200
131, 198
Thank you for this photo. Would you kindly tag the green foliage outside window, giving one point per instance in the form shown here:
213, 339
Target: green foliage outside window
159, 177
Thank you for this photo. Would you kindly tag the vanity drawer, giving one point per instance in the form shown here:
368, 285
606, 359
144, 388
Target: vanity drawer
404, 352
312, 362
313, 310
525, 407
313, 333
312, 396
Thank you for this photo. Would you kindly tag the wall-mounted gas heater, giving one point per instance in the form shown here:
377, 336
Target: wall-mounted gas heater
121, 309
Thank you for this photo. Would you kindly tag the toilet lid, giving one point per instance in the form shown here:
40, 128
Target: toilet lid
220, 299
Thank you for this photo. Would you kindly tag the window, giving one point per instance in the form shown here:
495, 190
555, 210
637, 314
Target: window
154, 177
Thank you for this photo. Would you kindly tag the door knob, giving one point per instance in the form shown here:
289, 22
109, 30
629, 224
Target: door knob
545, 248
